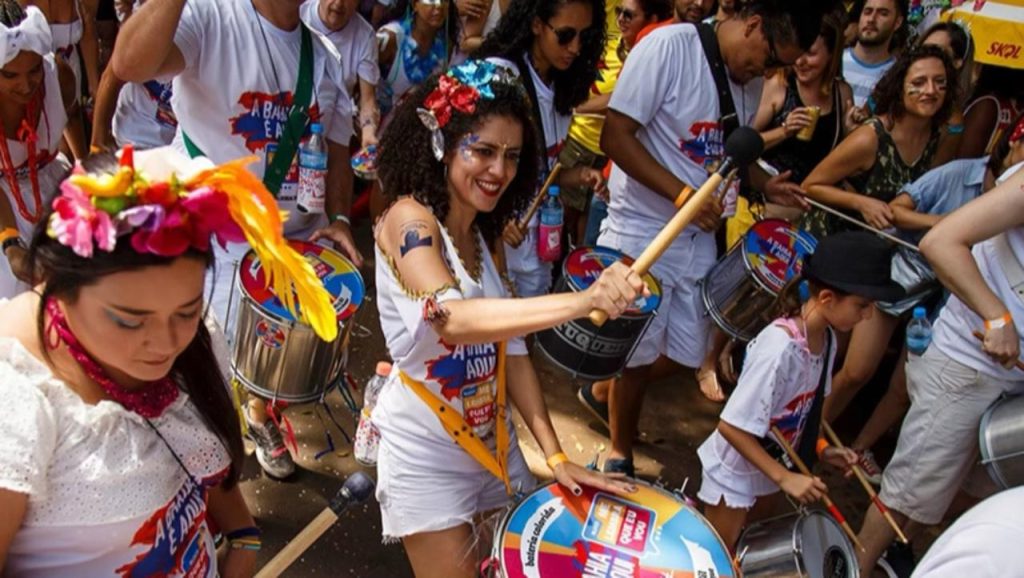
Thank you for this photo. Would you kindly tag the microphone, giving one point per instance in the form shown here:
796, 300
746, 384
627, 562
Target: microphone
357, 488
742, 148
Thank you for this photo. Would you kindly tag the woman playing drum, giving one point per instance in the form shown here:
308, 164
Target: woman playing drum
121, 442
459, 159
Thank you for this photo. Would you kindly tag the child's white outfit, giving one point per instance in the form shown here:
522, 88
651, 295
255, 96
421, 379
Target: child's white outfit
776, 388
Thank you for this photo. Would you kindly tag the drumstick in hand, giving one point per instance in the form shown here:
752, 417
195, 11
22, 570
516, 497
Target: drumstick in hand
981, 337
525, 221
867, 486
800, 465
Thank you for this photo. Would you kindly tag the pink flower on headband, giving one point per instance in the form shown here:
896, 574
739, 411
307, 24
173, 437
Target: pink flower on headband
76, 222
189, 223
451, 94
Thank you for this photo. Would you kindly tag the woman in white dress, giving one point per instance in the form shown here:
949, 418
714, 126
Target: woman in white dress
458, 161
36, 91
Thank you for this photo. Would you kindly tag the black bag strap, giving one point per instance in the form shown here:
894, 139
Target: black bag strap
726, 106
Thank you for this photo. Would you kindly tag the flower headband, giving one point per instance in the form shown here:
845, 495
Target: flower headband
162, 213
1018, 131
32, 34
459, 89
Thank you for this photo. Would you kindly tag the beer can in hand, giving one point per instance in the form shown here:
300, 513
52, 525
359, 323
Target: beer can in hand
807, 133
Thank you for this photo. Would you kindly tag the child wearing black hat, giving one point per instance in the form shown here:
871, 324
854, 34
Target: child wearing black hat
785, 378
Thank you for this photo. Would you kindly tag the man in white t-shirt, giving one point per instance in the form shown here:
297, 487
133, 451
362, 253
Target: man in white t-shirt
663, 132
865, 62
235, 65
977, 252
353, 38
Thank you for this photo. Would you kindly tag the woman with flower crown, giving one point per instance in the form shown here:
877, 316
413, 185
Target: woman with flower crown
36, 93
457, 163
124, 446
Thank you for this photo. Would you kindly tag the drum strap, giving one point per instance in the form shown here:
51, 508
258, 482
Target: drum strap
726, 106
460, 432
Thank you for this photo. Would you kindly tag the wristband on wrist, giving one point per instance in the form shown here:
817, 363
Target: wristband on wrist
557, 459
248, 538
999, 322
954, 129
8, 233
820, 447
339, 217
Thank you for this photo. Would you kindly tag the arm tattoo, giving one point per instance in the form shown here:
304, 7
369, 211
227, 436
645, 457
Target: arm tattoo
415, 234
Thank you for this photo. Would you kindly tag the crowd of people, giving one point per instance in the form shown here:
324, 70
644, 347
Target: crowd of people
872, 111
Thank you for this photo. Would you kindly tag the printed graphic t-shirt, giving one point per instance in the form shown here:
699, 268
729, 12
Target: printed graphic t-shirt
666, 85
235, 94
355, 42
106, 497
776, 388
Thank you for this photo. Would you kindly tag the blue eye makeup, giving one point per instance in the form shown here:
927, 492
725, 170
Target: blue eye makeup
121, 322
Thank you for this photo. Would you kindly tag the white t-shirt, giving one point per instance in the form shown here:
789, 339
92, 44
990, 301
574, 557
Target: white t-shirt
356, 44
862, 76
144, 116
233, 100
983, 543
776, 388
952, 331
666, 85
464, 376
106, 496
524, 258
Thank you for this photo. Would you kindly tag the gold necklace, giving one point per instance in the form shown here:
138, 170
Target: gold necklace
477, 271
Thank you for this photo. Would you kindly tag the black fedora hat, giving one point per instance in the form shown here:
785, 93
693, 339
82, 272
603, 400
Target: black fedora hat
855, 262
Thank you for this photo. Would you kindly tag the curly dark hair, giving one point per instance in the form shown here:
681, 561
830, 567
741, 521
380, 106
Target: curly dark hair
514, 36
888, 93
406, 163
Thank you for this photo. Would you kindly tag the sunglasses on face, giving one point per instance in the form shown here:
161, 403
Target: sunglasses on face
566, 35
625, 14
434, 2
772, 60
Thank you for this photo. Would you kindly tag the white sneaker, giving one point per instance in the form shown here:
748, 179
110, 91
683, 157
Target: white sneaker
271, 452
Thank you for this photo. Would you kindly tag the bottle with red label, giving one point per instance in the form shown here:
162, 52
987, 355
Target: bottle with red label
313, 172
549, 240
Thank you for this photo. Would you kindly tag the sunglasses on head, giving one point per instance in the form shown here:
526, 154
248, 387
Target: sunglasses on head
625, 14
566, 35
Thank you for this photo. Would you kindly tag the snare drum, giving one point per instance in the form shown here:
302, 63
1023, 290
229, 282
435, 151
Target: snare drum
1001, 440
280, 358
579, 346
740, 290
649, 533
809, 544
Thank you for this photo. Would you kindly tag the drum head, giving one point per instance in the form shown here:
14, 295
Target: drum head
650, 533
339, 276
584, 265
824, 550
775, 251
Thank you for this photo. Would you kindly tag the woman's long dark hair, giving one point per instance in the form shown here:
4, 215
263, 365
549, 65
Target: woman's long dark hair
64, 273
514, 36
406, 165
888, 93
451, 22
963, 50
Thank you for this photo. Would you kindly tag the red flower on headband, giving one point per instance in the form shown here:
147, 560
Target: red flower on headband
451, 94
1018, 131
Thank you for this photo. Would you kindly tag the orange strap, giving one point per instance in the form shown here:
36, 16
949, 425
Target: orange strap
460, 432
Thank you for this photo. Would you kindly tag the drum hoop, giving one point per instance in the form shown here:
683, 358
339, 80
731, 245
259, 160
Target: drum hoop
627, 315
746, 262
990, 462
576, 372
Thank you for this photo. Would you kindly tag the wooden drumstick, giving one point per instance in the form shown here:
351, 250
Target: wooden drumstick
981, 338
525, 221
357, 488
692, 205
824, 498
861, 224
867, 486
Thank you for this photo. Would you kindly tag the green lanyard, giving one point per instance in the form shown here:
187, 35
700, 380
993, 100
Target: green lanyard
288, 144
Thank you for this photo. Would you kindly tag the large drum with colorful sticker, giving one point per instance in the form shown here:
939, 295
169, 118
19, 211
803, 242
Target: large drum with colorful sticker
579, 346
278, 357
740, 290
649, 534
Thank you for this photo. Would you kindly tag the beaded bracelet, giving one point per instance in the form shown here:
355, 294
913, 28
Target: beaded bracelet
248, 538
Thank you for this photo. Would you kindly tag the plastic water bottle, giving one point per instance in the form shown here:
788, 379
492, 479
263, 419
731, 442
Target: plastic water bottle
919, 332
549, 241
367, 442
313, 172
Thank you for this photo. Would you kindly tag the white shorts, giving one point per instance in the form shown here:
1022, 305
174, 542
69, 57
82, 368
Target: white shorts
680, 328
712, 493
415, 500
